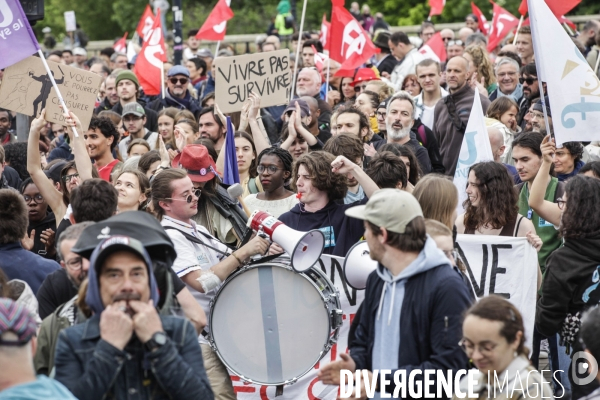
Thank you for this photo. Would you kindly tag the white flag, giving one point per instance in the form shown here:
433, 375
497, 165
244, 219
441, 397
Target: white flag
475, 148
573, 88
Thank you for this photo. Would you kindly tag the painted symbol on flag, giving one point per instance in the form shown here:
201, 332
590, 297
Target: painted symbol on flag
471, 148
356, 43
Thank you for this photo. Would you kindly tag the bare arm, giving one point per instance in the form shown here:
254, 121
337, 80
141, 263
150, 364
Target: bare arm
82, 158
342, 165
545, 209
309, 137
261, 142
43, 183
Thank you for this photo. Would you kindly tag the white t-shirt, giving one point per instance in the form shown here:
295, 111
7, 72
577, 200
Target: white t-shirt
427, 116
274, 207
123, 144
193, 257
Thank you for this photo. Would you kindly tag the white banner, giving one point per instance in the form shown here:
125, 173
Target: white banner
505, 266
308, 387
475, 148
573, 87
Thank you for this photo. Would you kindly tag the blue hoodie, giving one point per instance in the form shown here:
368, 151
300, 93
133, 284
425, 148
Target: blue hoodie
42, 388
387, 329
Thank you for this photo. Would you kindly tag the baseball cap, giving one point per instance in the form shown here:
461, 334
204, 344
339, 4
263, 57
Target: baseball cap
304, 109
205, 53
79, 51
391, 209
196, 161
178, 70
16, 318
133, 108
54, 171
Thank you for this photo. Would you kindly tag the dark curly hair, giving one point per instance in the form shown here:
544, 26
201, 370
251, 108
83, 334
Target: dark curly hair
286, 158
387, 170
593, 166
404, 151
583, 197
14, 216
105, 125
576, 150
15, 155
318, 166
94, 200
347, 145
497, 197
363, 120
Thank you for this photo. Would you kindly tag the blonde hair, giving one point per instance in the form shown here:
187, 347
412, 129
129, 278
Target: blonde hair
436, 228
438, 198
482, 63
384, 90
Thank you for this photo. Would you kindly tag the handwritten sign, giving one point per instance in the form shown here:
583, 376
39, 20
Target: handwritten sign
27, 89
70, 24
266, 74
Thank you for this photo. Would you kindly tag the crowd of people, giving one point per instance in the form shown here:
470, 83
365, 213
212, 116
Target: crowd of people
369, 155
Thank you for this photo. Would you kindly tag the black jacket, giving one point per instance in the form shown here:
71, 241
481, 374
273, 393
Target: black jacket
49, 222
103, 106
430, 323
431, 144
63, 151
387, 64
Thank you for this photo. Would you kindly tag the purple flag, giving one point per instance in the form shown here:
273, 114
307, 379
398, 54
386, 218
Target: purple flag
17, 40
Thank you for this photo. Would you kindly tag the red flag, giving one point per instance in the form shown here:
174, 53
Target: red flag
483, 24
502, 23
145, 23
434, 48
437, 6
216, 24
120, 45
324, 34
149, 63
559, 7
349, 43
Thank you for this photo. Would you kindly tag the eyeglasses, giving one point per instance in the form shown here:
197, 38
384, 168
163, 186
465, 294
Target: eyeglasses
74, 263
38, 198
359, 88
537, 114
381, 114
188, 198
528, 80
445, 39
67, 178
174, 81
561, 204
271, 168
456, 42
469, 347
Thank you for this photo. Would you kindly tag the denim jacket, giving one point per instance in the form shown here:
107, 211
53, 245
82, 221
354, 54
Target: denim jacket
91, 368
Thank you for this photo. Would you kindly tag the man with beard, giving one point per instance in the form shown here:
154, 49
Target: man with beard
537, 116
101, 138
62, 285
399, 121
452, 113
211, 127
177, 95
531, 90
587, 37
112, 98
309, 84
6, 135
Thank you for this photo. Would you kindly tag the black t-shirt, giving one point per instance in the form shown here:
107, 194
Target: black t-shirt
56, 289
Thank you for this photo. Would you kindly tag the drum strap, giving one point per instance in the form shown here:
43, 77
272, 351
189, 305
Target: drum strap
196, 240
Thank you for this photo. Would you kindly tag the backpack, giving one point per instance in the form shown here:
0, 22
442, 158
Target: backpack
289, 21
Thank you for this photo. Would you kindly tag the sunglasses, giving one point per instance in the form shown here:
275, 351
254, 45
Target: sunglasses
182, 81
188, 198
67, 178
359, 89
445, 39
528, 80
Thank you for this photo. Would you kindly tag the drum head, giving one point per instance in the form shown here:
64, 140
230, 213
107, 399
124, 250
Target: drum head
270, 324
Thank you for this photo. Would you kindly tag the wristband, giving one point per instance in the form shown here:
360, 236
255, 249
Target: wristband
237, 258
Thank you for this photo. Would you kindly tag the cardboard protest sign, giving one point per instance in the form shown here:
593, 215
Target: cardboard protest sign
70, 23
505, 266
27, 89
266, 74
309, 387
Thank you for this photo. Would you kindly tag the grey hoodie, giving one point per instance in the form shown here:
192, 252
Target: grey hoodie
387, 321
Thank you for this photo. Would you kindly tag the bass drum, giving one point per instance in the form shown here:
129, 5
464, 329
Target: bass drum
271, 325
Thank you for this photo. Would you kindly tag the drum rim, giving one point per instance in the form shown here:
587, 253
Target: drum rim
332, 336
346, 260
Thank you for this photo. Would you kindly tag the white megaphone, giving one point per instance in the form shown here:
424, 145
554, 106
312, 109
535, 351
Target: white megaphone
358, 265
304, 248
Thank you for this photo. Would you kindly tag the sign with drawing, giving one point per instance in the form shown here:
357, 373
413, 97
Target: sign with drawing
27, 89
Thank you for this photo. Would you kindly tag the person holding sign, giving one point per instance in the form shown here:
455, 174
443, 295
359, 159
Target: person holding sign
413, 305
572, 276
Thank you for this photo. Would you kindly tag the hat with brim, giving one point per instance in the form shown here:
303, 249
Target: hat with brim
196, 161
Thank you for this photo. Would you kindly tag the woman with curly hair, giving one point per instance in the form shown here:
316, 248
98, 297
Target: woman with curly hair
491, 206
570, 285
479, 62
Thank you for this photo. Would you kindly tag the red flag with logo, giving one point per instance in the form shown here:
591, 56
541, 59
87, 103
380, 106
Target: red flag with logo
216, 24
502, 23
349, 43
324, 34
145, 23
437, 6
120, 45
558, 7
434, 48
149, 63
483, 24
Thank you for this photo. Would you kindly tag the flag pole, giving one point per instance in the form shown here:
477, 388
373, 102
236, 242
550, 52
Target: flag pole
217, 48
162, 79
597, 63
327, 81
298, 51
568, 29
518, 28
55, 86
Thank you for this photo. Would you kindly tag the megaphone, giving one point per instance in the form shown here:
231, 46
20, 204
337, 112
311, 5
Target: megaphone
358, 265
304, 248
